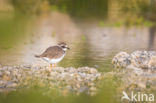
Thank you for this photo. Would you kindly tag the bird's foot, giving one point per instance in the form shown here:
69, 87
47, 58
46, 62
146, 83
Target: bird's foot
51, 65
54, 65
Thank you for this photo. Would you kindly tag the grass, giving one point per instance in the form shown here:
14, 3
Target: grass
127, 22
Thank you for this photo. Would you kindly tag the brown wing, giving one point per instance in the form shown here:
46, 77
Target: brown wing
53, 52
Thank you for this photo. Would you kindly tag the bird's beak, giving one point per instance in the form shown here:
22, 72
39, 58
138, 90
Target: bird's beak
68, 48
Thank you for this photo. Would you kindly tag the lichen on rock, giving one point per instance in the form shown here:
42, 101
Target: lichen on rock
137, 59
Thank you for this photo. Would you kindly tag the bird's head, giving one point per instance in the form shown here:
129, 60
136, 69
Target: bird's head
63, 45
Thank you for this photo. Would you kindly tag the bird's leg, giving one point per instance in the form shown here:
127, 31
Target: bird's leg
54, 65
51, 65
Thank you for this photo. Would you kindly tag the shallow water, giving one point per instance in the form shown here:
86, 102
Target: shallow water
91, 45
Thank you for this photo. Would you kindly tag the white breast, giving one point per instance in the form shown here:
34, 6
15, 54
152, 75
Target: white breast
53, 61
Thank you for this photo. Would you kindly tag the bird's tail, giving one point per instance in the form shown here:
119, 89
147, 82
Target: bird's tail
37, 56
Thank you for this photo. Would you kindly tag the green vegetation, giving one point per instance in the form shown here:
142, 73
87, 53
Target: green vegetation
27, 6
44, 95
82, 8
138, 11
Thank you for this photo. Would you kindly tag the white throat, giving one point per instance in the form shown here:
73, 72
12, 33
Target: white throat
64, 49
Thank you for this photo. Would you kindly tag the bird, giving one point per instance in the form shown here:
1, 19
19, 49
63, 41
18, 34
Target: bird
54, 54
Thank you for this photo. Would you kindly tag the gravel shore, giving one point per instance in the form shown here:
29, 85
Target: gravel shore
70, 79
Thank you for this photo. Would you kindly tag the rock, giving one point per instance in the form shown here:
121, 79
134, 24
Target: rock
29, 76
7, 72
91, 84
27, 66
1, 74
152, 63
82, 89
3, 83
79, 79
78, 86
92, 89
92, 71
11, 85
122, 59
0, 66
141, 85
5, 77
137, 59
139, 73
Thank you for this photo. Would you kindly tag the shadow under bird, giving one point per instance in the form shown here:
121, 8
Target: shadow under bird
54, 54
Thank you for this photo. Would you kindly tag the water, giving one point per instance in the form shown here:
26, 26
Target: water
39, 96
91, 45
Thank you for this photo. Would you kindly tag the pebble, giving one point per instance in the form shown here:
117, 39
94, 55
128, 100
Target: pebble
5, 77
92, 71
72, 79
152, 63
11, 85
92, 89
